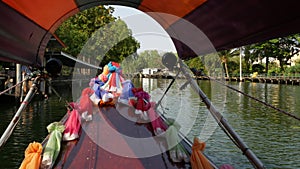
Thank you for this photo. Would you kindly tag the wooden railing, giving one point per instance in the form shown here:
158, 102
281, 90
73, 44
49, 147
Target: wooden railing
293, 79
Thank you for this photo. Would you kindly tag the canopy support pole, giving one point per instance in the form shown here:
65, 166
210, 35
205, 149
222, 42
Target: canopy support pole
222, 122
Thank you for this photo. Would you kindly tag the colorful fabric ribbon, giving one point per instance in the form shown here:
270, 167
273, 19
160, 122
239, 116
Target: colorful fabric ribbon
33, 157
52, 148
107, 100
198, 160
72, 125
143, 99
115, 79
177, 152
127, 93
157, 124
85, 103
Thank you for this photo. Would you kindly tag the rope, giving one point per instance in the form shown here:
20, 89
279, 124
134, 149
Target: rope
68, 106
79, 61
264, 103
6, 90
166, 91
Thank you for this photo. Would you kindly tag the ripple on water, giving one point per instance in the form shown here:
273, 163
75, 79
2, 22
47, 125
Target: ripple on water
273, 137
31, 127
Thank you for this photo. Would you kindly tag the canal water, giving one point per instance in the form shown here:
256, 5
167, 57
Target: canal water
271, 135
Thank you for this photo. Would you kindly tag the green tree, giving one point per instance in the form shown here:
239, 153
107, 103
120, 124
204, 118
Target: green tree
77, 29
146, 59
293, 69
285, 49
112, 42
213, 65
225, 56
152, 58
95, 33
281, 48
249, 58
264, 50
195, 63
258, 68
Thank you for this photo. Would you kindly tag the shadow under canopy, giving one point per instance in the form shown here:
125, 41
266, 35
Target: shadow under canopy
26, 27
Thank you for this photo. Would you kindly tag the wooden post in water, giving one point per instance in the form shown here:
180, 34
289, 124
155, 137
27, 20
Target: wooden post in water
241, 77
49, 86
43, 83
18, 80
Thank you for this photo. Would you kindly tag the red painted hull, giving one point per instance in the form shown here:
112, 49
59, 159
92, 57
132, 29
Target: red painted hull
90, 150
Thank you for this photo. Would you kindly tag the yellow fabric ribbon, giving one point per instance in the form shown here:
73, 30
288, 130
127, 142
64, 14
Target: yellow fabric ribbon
198, 160
32, 158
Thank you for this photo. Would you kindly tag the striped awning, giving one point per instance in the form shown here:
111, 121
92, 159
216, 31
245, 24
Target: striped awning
196, 26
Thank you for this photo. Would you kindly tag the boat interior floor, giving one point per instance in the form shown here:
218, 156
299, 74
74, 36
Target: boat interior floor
116, 138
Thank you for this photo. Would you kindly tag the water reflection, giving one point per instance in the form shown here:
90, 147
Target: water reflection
273, 136
31, 127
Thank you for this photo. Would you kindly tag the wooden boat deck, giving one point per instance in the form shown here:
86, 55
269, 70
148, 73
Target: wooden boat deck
113, 128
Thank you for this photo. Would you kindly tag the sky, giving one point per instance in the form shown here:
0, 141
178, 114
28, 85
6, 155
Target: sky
145, 30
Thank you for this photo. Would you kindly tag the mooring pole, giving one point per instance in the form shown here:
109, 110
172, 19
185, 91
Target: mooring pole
18, 80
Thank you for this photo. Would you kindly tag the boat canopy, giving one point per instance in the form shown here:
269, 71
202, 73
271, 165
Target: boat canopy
27, 26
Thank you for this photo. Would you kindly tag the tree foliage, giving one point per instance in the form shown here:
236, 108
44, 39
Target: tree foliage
258, 68
225, 57
95, 33
113, 42
248, 58
293, 69
209, 64
281, 49
147, 59
195, 63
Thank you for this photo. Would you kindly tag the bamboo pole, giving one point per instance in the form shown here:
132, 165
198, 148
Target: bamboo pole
16, 118
222, 122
